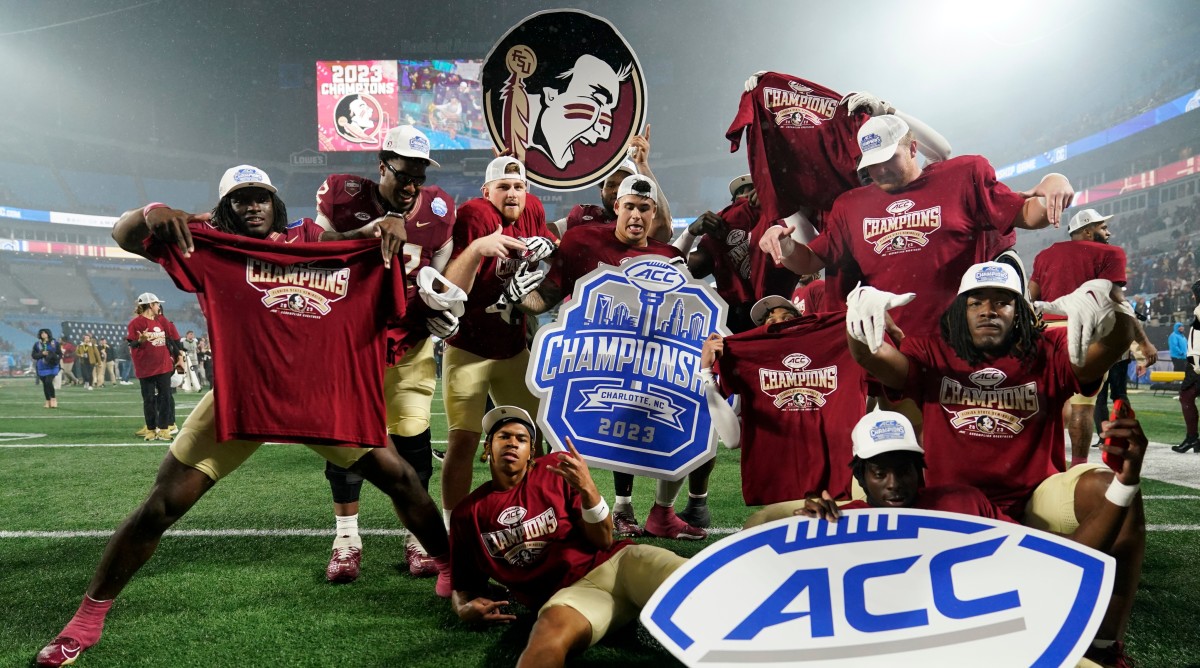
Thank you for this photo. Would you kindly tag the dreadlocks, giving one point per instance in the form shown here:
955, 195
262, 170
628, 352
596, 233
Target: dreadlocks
1022, 344
226, 220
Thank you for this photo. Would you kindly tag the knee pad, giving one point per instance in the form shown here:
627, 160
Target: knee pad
345, 484
418, 452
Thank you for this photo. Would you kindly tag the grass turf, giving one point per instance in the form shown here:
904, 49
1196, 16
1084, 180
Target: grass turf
216, 600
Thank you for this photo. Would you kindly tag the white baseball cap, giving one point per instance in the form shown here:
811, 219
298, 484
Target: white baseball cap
883, 431
496, 417
1085, 218
635, 184
496, 170
991, 275
878, 138
628, 166
739, 183
763, 307
148, 298
244, 176
409, 142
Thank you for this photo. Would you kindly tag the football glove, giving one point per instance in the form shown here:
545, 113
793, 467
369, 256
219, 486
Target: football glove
866, 313
537, 249
865, 100
443, 324
752, 82
1091, 314
525, 281
451, 298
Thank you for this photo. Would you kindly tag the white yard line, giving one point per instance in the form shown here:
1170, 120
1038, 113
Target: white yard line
278, 533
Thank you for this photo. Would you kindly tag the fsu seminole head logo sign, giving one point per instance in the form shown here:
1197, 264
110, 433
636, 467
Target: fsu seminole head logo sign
565, 92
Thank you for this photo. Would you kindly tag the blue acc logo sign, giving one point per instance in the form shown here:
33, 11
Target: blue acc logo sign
618, 371
884, 587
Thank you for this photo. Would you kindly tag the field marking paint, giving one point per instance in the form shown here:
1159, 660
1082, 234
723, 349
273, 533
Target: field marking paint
284, 533
17, 436
119, 445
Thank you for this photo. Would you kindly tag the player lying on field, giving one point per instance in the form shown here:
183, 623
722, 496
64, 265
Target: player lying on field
249, 207
541, 528
991, 387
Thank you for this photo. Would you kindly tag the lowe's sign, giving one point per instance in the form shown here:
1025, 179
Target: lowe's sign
893, 587
618, 371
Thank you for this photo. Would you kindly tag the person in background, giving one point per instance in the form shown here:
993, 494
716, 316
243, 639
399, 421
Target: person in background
68, 361
47, 354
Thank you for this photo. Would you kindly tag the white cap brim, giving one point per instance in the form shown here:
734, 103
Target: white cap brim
763, 307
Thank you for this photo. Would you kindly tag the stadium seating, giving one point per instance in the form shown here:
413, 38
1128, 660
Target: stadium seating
103, 193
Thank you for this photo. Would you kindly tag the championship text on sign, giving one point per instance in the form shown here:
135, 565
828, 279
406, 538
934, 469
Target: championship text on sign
356, 103
619, 371
564, 90
895, 587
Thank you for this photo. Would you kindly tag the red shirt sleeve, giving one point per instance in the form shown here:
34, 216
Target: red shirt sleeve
991, 201
325, 199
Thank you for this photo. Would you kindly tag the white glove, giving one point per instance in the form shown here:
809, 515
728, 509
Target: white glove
451, 298
752, 82
443, 324
873, 105
537, 249
525, 281
866, 313
1091, 315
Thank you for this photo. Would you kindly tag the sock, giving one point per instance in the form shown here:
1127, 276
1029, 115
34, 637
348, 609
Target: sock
666, 491
88, 622
624, 502
347, 525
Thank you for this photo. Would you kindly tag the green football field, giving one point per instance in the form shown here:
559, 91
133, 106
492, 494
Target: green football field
240, 580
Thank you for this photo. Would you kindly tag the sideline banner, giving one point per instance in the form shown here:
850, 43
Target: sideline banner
618, 371
884, 587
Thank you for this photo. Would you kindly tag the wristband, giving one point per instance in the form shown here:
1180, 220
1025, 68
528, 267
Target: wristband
1121, 494
596, 513
152, 206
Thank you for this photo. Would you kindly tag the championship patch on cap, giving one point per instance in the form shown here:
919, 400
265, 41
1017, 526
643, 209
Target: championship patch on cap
870, 141
565, 93
887, 430
419, 143
248, 175
992, 274
438, 206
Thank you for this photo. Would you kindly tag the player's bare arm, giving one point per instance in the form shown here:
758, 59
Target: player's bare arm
164, 223
570, 467
777, 242
462, 270
1045, 203
388, 228
545, 297
640, 154
824, 508
1100, 528
474, 609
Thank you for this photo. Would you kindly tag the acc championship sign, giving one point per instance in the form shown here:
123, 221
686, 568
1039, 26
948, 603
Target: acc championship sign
618, 371
564, 91
884, 588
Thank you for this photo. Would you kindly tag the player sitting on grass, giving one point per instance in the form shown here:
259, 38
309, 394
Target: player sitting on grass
541, 528
991, 388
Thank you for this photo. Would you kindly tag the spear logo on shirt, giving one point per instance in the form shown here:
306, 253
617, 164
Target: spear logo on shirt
299, 289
